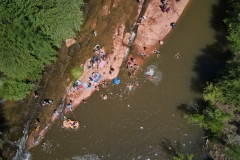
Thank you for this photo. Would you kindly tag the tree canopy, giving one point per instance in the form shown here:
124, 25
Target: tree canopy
31, 30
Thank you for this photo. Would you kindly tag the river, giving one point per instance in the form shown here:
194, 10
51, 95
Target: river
148, 122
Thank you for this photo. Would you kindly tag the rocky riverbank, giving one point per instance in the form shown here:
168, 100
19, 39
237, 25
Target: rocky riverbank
151, 24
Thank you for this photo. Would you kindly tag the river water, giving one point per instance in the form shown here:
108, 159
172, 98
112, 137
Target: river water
146, 123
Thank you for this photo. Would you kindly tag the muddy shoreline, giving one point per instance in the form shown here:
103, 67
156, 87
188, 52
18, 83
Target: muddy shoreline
148, 37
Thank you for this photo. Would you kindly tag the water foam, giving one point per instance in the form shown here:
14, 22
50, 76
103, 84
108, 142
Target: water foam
153, 71
22, 152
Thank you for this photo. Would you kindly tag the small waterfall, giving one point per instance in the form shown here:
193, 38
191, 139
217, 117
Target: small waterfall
22, 152
131, 39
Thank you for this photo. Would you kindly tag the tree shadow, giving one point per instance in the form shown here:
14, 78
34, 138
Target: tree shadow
169, 148
4, 127
214, 57
195, 106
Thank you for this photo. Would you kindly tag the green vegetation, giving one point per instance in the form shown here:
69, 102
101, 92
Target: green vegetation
77, 72
233, 152
184, 157
212, 119
225, 90
31, 31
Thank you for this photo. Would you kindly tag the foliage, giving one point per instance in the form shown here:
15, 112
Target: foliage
16, 90
212, 119
227, 89
77, 72
184, 157
233, 22
234, 152
31, 30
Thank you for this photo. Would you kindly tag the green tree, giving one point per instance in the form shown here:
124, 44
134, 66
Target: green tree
233, 21
212, 119
234, 152
13, 89
184, 157
31, 31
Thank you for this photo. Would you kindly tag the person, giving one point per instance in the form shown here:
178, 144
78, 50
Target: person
132, 59
172, 25
35, 94
44, 144
143, 53
157, 52
161, 42
104, 96
111, 70
97, 88
144, 17
84, 101
55, 111
135, 67
177, 56
130, 75
130, 87
74, 124
89, 85
95, 33
149, 76
37, 121
97, 47
47, 102
95, 59
104, 83
168, 9
69, 106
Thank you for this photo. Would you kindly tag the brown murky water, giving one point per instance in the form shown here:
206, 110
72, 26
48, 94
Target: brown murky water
146, 122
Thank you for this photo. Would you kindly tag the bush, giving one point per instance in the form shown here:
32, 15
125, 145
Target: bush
212, 119
234, 152
77, 72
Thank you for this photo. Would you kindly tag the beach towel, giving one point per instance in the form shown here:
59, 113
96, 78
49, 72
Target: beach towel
97, 78
101, 64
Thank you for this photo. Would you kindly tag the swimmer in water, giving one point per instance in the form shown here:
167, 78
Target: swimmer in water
130, 87
84, 101
104, 96
97, 88
44, 144
177, 56
149, 76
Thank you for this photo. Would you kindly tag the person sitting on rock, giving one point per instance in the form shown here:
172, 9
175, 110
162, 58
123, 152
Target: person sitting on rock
47, 102
132, 59
69, 106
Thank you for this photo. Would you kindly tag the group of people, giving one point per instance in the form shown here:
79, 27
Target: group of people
164, 7
132, 66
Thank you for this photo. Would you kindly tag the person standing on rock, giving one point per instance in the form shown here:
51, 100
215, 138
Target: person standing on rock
172, 25
69, 106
